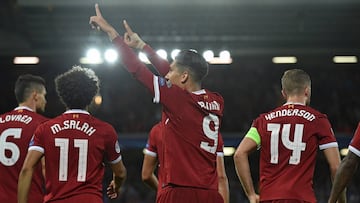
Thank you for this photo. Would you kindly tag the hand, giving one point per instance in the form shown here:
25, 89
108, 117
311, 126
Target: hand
98, 22
111, 190
131, 38
254, 198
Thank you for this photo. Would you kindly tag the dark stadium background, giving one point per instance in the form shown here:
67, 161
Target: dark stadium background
253, 31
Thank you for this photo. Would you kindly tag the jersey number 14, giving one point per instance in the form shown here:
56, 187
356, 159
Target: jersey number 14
296, 145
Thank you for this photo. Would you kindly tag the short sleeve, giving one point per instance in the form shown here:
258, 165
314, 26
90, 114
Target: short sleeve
325, 134
37, 140
354, 146
112, 146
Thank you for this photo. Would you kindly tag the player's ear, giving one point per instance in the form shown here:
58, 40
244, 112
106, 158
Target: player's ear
284, 94
184, 76
34, 95
307, 91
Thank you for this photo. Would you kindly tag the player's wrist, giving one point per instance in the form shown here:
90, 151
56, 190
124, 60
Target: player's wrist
112, 34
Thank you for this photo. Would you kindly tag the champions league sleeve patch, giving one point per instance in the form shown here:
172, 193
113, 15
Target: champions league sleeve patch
31, 141
163, 82
117, 147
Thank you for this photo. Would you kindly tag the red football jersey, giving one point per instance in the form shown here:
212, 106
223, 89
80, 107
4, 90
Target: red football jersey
190, 129
17, 128
154, 148
75, 145
290, 137
354, 146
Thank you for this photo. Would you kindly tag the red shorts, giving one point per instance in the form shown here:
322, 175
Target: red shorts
284, 201
84, 198
188, 195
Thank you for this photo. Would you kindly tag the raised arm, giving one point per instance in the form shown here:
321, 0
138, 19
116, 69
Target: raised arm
133, 40
131, 62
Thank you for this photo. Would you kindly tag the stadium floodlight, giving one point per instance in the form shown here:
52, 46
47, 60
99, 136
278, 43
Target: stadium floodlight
208, 55
162, 53
344, 151
98, 100
143, 58
110, 55
93, 56
26, 60
225, 55
345, 59
284, 59
229, 151
174, 53
93, 53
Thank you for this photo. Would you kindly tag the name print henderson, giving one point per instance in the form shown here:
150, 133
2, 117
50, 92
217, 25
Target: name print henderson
290, 112
73, 124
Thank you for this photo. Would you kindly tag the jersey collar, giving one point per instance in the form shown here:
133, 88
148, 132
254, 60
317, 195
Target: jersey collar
23, 107
76, 111
199, 92
294, 103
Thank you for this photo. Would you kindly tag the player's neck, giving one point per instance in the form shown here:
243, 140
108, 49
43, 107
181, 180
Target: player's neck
29, 104
296, 99
193, 87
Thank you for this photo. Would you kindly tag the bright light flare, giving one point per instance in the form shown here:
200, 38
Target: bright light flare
110, 55
284, 59
162, 53
208, 55
174, 53
345, 59
26, 60
143, 58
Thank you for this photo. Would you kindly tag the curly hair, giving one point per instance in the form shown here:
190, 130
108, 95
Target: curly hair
77, 87
26, 84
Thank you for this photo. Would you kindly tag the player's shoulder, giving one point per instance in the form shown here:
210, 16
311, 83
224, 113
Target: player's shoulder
104, 125
314, 111
214, 94
41, 118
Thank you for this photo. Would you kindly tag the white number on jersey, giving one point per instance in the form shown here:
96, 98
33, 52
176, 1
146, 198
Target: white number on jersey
12, 147
296, 146
211, 134
82, 144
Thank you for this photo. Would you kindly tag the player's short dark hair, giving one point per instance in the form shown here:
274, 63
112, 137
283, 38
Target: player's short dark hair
294, 81
77, 87
197, 65
26, 84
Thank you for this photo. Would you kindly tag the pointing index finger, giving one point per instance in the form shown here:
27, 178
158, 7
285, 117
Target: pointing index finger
128, 28
97, 10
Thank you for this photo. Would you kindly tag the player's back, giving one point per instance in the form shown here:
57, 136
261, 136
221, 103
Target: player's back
191, 139
290, 137
16, 129
75, 146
